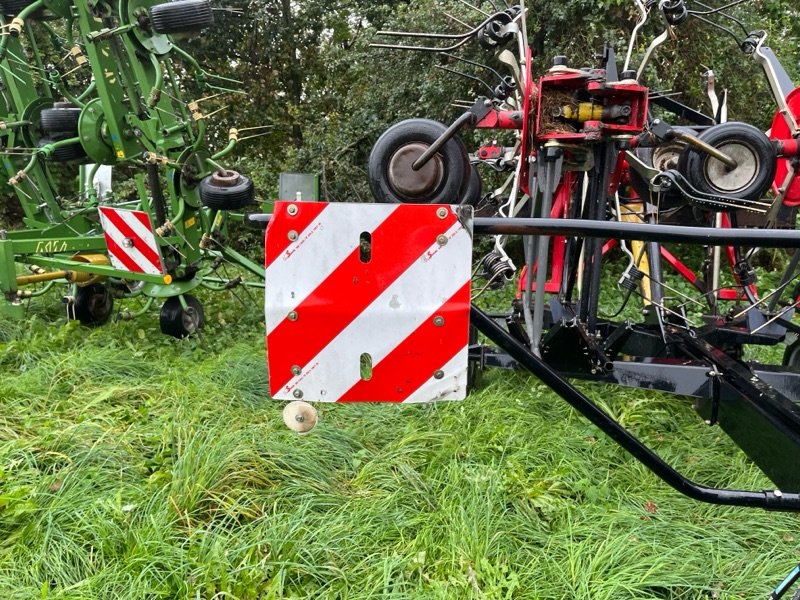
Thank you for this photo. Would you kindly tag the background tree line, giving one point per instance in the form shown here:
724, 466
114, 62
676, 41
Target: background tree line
309, 72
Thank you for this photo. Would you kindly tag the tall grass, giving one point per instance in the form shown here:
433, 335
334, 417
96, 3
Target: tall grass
137, 466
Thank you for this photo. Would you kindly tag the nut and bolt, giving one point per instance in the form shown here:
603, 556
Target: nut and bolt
438, 374
297, 393
292, 210
292, 316
438, 321
441, 212
292, 235
442, 240
296, 370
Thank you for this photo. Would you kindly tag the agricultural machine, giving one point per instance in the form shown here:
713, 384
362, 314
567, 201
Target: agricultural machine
591, 160
98, 90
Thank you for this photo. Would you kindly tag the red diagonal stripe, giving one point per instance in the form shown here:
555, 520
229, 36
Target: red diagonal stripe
397, 243
414, 361
120, 255
141, 245
307, 212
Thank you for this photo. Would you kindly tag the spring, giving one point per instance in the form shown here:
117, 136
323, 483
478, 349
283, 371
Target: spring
496, 269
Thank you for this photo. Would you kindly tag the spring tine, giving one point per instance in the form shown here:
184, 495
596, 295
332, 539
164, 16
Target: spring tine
457, 20
440, 36
475, 8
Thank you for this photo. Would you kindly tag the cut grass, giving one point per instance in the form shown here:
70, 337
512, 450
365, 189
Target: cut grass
137, 466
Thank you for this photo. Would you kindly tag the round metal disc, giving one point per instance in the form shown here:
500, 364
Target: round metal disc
411, 183
300, 416
730, 181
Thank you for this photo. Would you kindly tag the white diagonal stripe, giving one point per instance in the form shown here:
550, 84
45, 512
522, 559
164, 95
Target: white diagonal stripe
421, 287
453, 386
326, 244
139, 229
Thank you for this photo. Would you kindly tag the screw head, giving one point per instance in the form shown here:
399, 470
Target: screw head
296, 370
441, 212
297, 393
292, 235
127, 243
442, 240
438, 374
438, 321
292, 316
292, 209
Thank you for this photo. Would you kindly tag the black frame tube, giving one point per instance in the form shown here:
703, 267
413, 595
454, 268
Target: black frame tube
769, 499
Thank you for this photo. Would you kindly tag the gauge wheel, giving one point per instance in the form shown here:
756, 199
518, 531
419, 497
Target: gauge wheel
443, 179
748, 146
182, 16
93, 304
662, 157
181, 322
227, 190
60, 121
791, 358
64, 153
474, 191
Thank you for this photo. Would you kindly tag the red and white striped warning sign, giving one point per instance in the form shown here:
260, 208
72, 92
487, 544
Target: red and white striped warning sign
130, 240
368, 302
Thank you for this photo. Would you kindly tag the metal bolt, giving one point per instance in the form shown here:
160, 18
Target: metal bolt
292, 235
438, 321
777, 493
438, 374
292, 210
292, 316
441, 212
296, 370
297, 393
127, 243
442, 240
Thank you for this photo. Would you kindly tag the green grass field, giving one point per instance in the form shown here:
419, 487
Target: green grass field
133, 465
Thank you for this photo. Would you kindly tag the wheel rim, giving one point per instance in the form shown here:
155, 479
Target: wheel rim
189, 319
408, 182
731, 181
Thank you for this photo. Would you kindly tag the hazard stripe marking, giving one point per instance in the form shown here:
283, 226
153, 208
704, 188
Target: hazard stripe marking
307, 214
324, 243
351, 288
334, 369
411, 364
133, 229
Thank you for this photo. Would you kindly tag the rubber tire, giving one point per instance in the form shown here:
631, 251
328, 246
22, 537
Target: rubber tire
455, 163
11, 8
182, 16
179, 323
474, 191
694, 163
93, 304
64, 153
235, 197
60, 121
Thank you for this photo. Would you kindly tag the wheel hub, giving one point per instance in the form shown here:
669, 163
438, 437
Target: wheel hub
728, 180
411, 183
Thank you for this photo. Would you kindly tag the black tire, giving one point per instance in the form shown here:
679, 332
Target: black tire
66, 153
179, 322
93, 304
11, 8
60, 121
748, 146
474, 191
443, 179
182, 16
227, 190
791, 356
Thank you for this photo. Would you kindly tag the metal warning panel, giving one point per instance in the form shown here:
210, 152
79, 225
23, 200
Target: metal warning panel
130, 240
368, 302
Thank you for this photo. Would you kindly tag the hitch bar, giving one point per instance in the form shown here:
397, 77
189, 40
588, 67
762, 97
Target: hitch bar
769, 499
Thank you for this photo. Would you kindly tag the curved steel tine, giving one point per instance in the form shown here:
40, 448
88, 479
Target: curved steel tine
421, 48
441, 36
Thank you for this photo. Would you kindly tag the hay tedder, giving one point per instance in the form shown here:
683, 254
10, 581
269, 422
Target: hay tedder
95, 90
606, 182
